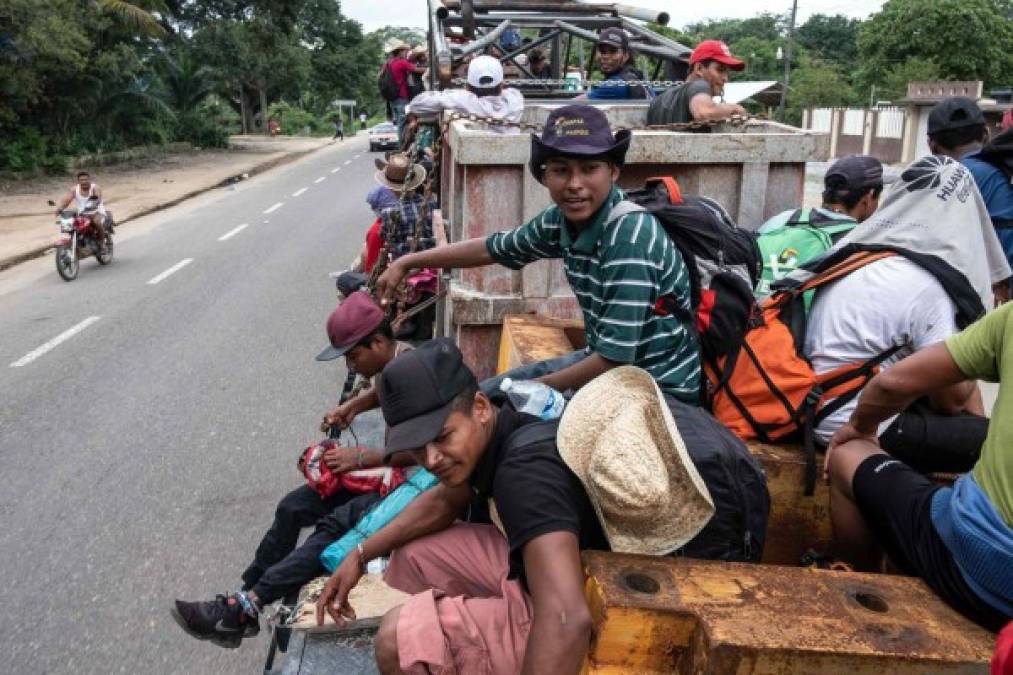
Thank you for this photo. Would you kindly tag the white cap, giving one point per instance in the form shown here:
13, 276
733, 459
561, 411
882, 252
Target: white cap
485, 72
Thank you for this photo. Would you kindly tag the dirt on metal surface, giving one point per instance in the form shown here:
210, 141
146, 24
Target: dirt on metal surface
688, 616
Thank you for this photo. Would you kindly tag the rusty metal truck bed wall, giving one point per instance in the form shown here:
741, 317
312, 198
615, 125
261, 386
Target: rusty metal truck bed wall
755, 170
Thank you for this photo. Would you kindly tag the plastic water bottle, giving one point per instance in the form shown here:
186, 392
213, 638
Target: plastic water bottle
534, 398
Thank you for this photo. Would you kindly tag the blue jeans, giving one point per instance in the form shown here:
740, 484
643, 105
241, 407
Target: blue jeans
397, 108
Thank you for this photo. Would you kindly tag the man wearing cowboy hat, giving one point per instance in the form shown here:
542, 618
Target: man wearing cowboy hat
618, 264
614, 475
399, 223
400, 67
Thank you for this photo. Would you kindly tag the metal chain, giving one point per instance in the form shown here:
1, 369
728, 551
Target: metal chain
562, 84
734, 120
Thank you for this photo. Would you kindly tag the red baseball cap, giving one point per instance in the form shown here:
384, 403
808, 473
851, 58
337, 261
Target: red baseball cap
716, 50
355, 319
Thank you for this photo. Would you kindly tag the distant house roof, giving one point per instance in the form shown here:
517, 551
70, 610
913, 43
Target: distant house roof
764, 92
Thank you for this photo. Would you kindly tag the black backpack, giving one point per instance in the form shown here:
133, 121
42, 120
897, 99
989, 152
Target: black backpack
999, 153
734, 478
389, 89
723, 260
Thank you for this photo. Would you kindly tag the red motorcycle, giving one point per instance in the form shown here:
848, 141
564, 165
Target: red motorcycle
79, 241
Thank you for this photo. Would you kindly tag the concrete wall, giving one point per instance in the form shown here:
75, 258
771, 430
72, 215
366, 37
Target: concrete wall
879, 132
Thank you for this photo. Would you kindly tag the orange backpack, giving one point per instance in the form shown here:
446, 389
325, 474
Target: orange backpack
768, 389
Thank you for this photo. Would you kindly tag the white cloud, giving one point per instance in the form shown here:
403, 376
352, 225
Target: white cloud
374, 14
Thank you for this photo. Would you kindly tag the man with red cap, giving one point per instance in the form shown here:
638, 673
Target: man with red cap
693, 100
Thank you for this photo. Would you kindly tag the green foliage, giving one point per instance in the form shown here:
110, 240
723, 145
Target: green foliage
831, 39
966, 39
893, 86
814, 83
298, 122
765, 26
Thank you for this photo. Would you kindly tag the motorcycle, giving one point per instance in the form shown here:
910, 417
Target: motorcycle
79, 241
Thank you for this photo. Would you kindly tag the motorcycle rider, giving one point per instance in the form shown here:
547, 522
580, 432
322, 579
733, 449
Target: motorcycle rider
85, 195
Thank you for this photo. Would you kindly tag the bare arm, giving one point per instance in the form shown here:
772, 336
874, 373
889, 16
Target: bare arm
561, 626
702, 107
432, 511
579, 374
468, 253
66, 201
957, 398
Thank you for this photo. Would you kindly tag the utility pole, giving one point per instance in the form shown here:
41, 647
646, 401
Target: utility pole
787, 59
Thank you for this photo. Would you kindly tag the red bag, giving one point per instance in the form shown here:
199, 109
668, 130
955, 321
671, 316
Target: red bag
326, 483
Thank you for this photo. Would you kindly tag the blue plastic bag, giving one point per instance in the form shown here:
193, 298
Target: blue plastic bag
377, 519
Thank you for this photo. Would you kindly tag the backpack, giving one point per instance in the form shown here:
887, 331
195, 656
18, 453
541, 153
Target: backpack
807, 234
389, 88
723, 262
768, 390
415, 85
734, 478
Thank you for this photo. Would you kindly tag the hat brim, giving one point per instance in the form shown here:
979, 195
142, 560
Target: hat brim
542, 151
417, 432
417, 178
333, 352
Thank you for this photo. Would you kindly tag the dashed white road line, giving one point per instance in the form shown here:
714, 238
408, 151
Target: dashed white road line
274, 208
336, 169
62, 337
172, 270
357, 157
320, 180
299, 192
233, 231
348, 161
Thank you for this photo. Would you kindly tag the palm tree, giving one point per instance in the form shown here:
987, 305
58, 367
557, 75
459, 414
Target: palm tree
137, 16
184, 83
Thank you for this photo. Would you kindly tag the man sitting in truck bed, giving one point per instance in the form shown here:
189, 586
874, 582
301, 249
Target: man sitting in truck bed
959, 539
617, 267
693, 100
484, 96
614, 474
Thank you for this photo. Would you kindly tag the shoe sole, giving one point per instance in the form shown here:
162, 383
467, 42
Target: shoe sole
230, 642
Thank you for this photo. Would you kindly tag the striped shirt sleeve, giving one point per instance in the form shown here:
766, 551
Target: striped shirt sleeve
633, 263
535, 240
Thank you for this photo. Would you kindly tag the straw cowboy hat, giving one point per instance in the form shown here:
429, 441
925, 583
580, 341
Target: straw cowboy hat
393, 45
399, 174
618, 436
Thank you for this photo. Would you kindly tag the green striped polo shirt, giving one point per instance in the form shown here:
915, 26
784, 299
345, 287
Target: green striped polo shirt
618, 271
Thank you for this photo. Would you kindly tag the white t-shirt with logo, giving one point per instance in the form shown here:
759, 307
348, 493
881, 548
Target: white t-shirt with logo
888, 302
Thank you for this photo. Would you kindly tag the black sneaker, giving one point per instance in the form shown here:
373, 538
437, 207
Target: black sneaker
222, 620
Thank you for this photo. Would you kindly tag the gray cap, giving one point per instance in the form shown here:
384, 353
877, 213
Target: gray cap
858, 171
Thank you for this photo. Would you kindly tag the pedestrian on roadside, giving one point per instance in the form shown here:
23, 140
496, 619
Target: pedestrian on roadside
339, 128
693, 100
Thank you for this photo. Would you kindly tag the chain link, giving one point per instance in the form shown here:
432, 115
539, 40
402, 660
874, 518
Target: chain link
562, 84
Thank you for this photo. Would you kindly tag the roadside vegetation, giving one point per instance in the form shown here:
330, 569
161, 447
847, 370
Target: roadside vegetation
94, 77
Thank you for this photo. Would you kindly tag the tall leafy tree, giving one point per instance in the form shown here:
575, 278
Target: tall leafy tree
831, 39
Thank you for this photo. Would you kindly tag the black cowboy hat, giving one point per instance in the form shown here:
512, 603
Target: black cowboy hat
577, 131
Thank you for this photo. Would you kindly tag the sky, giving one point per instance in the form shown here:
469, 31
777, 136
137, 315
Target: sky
374, 14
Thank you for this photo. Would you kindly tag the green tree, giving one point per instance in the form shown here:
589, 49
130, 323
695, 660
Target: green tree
816, 84
137, 16
764, 26
966, 39
831, 39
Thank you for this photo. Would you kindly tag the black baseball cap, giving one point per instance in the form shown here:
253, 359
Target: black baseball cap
859, 172
417, 390
954, 113
614, 37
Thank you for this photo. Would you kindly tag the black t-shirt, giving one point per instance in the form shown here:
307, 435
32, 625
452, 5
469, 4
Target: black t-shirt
672, 107
535, 493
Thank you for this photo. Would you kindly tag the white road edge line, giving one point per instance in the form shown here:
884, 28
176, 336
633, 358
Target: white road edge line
62, 337
336, 169
299, 192
320, 180
172, 270
273, 208
233, 231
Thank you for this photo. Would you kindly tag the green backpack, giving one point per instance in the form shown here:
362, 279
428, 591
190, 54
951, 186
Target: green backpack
807, 234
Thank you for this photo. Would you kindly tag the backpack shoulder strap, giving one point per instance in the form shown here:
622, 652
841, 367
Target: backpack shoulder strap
623, 208
535, 432
800, 217
844, 268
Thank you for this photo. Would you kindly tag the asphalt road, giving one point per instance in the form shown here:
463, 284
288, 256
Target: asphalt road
142, 455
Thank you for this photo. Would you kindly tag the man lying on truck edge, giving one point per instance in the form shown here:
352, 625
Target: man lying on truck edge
618, 477
616, 62
618, 267
357, 330
956, 129
959, 539
484, 95
693, 100
901, 303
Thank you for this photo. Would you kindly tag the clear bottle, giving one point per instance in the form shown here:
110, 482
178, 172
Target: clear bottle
533, 398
